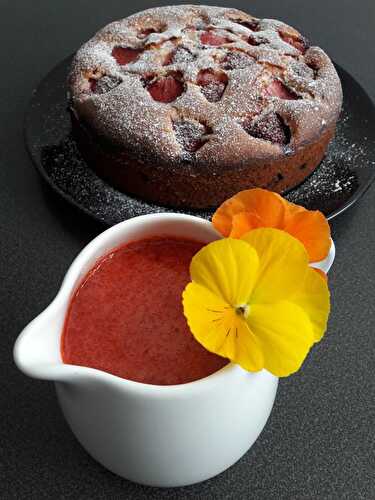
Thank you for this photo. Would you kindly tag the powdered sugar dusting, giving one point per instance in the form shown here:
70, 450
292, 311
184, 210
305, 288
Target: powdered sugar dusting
253, 53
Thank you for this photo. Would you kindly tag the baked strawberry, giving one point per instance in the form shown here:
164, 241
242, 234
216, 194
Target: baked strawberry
166, 88
259, 40
212, 84
235, 59
211, 38
103, 84
92, 82
270, 127
190, 133
253, 25
297, 42
180, 55
277, 89
147, 31
125, 55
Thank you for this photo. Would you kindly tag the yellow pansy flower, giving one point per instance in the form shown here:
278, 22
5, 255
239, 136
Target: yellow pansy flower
256, 301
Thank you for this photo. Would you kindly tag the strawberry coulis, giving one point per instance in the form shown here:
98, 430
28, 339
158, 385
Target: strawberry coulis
126, 316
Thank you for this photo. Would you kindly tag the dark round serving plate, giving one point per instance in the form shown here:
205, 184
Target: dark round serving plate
341, 179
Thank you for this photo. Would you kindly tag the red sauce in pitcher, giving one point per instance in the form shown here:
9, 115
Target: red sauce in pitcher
126, 316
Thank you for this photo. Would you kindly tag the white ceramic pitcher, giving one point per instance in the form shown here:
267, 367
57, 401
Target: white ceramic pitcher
155, 435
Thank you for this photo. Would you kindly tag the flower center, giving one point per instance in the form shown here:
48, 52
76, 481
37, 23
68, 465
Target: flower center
243, 310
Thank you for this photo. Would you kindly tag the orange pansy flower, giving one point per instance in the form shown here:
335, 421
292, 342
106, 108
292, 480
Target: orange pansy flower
257, 207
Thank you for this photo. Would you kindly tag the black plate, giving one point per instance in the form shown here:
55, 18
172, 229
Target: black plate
341, 179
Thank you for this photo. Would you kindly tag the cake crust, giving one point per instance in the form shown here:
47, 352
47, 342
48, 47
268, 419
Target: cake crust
186, 105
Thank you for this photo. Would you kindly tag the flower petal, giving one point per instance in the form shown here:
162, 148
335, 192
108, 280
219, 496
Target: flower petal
313, 298
285, 334
268, 206
248, 354
205, 313
283, 263
228, 268
291, 208
219, 329
244, 222
312, 229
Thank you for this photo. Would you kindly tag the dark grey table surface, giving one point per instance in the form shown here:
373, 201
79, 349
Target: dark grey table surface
320, 439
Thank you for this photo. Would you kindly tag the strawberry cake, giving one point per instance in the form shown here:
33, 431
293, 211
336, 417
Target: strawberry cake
184, 106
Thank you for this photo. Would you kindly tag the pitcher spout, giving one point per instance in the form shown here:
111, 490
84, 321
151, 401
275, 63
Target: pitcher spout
37, 349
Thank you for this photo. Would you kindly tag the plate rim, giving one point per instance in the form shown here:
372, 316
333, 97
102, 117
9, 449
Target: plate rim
358, 194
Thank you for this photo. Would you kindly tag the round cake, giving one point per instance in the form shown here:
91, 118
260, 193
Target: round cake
184, 106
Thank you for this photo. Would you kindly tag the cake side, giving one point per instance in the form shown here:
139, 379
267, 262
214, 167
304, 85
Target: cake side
187, 189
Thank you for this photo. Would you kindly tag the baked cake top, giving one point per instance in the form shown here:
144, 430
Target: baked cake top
198, 85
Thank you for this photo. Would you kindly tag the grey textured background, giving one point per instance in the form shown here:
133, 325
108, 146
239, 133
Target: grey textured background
320, 440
